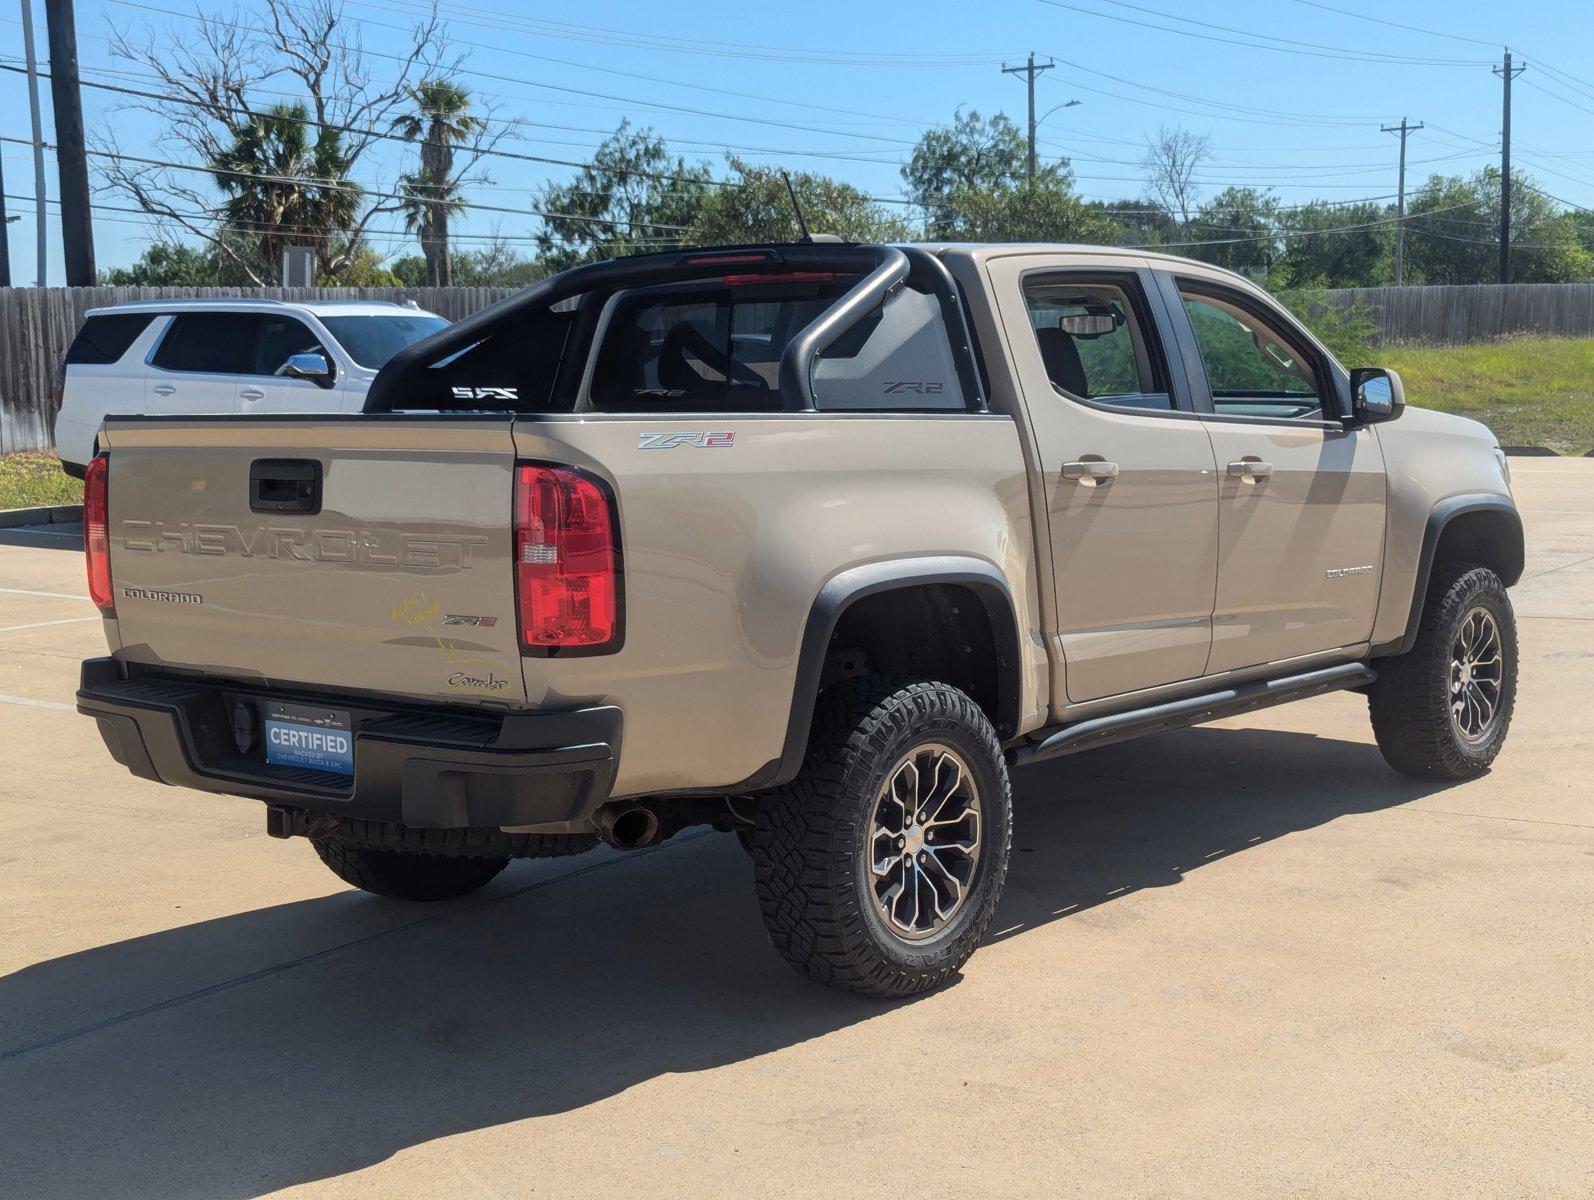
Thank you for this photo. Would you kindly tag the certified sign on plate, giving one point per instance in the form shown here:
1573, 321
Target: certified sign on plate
317, 738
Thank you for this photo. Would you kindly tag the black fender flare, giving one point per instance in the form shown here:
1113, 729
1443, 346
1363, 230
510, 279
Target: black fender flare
846, 588
1446, 511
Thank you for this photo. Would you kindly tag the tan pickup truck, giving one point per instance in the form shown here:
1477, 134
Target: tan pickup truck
810, 543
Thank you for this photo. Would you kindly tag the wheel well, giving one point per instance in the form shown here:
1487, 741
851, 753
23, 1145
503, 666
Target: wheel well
943, 632
1487, 537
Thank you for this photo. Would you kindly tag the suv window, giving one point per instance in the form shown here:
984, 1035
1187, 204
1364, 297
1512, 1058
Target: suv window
105, 339
280, 339
371, 341
218, 343
1096, 342
704, 347
1253, 367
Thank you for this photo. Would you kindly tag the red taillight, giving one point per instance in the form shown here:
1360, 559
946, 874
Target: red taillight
566, 575
97, 533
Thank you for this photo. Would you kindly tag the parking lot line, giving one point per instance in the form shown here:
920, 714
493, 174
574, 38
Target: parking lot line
44, 624
38, 703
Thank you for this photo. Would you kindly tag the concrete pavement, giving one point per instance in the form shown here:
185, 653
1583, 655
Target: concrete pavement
1241, 959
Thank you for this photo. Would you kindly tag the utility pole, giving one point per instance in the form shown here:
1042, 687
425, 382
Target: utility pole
40, 216
71, 155
1400, 198
1507, 73
1030, 71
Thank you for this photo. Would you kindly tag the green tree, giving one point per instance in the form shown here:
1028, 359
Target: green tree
758, 209
1239, 225
1452, 233
170, 264
1045, 210
1327, 245
972, 155
440, 121
631, 198
1140, 222
283, 188
497, 264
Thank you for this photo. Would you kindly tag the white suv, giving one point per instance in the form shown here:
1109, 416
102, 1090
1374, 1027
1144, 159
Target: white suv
225, 356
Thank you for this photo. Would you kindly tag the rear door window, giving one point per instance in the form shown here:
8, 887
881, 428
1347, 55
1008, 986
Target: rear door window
213, 343
1097, 342
105, 339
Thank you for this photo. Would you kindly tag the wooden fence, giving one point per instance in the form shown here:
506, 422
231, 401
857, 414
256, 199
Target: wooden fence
1452, 315
37, 325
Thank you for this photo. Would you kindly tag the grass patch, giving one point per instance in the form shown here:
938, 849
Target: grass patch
33, 479
1532, 391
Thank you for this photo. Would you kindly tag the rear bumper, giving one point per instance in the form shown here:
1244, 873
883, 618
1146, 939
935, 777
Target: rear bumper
412, 766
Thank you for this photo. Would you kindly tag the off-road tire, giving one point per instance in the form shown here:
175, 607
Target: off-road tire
403, 875
810, 864
1410, 701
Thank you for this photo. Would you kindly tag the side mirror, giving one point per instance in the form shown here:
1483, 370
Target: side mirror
1376, 395
313, 367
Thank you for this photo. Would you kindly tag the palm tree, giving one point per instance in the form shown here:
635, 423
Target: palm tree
283, 189
441, 121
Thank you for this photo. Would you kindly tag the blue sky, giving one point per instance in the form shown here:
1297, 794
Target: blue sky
848, 87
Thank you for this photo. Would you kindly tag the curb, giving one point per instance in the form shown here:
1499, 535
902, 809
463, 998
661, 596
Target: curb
59, 514
1530, 452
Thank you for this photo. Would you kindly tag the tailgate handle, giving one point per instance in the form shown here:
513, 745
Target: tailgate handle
278, 485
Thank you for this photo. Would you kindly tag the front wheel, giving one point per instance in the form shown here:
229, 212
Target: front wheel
403, 875
880, 866
1442, 710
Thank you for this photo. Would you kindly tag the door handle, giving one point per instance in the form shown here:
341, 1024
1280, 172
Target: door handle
251, 394
1091, 471
1251, 470
165, 389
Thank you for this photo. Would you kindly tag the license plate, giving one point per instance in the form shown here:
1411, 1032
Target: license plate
317, 738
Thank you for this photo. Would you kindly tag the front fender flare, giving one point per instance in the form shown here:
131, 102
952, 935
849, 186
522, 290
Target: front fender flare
1446, 511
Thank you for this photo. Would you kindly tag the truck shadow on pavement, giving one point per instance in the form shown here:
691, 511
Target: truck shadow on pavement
289, 1044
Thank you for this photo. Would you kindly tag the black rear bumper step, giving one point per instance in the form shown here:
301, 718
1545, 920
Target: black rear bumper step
411, 767
1194, 710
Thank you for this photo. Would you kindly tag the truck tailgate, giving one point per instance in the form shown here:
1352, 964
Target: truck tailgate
363, 554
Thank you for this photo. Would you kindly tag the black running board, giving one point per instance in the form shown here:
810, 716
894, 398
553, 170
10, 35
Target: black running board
1209, 706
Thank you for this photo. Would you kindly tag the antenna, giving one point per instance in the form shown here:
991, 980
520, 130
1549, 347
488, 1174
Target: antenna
802, 222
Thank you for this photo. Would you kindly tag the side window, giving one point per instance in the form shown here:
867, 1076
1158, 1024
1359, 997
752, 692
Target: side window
703, 347
216, 343
105, 339
280, 339
1254, 368
1097, 341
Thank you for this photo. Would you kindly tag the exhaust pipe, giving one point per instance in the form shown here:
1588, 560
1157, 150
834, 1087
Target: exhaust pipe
627, 826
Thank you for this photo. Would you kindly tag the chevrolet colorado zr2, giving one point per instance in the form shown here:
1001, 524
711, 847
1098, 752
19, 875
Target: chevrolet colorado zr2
810, 543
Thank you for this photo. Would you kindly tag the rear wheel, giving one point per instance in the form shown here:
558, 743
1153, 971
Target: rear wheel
879, 867
1442, 710
403, 875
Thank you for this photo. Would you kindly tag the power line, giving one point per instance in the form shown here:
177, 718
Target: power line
336, 185
630, 38
1287, 46
1345, 12
632, 100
